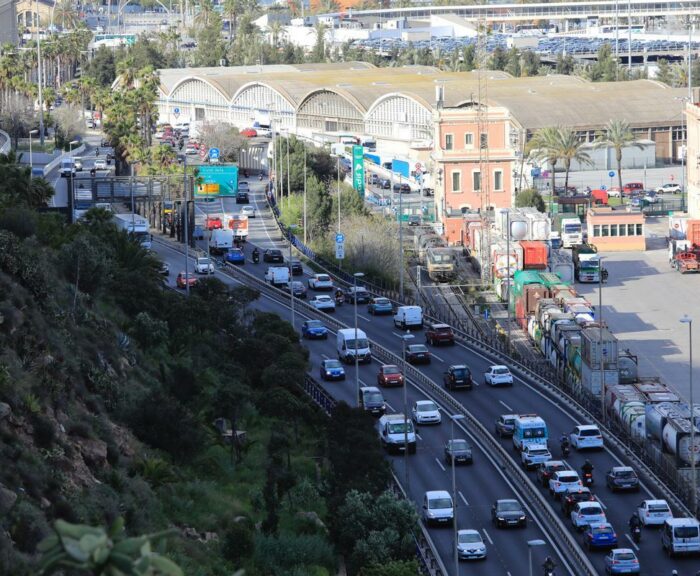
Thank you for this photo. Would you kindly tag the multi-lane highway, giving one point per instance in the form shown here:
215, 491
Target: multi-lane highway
478, 485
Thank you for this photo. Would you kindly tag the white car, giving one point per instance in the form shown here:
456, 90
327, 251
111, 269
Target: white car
588, 512
191, 150
322, 302
248, 210
534, 454
586, 436
654, 512
669, 188
321, 282
204, 266
78, 164
426, 412
498, 376
564, 481
100, 164
470, 545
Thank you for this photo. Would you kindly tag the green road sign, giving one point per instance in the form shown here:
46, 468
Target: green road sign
220, 180
358, 170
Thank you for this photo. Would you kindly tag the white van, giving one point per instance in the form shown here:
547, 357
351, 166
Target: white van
67, 167
394, 430
408, 317
437, 507
681, 536
221, 240
277, 275
348, 348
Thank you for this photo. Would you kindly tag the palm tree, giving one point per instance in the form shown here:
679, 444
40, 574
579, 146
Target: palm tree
65, 14
617, 135
571, 149
232, 8
544, 146
206, 10
126, 69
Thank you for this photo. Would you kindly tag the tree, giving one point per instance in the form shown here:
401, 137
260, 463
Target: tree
64, 13
664, 73
571, 150
530, 197
70, 125
210, 47
318, 54
530, 63
469, 57
225, 137
392, 568
499, 59
17, 117
565, 64
18, 188
544, 146
102, 67
320, 205
617, 135
513, 63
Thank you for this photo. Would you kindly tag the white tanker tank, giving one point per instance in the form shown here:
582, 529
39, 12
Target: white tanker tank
657, 415
676, 440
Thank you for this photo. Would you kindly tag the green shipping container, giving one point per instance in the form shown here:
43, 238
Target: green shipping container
550, 279
524, 277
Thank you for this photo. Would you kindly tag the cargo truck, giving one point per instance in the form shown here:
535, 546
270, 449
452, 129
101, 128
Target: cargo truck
586, 263
239, 224
570, 230
136, 226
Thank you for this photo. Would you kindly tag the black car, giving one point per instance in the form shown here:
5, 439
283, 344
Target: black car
273, 255
397, 187
372, 401
570, 499
405, 188
298, 287
417, 354
508, 513
505, 425
460, 450
385, 184
296, 268
428, 192
359, 294
547, 469
622, 478
458, 376
414, 220
242, 198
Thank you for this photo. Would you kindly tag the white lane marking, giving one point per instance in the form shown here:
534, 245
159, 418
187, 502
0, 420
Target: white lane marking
389, 406
439, 463
505, 405
260, 213
327, 358
364, 318
437, 357
487, 536
419, 437
632, 542
397, 334
463, 498
601, 503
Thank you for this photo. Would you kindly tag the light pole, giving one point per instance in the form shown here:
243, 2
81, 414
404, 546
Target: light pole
38, 78
406, 339
291, 229
186, 226
71, 186
530, 545
401, 262
454, 418
31, 158
693, 454
289, 185
355, 276
600, 336
70, 146
305, 237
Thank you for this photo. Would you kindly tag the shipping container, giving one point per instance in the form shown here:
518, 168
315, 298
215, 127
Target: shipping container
560, 263
629, 370
522, 278
533, 293
658, 414
534, 255
676, 440
657, 397
693, 232
540, 224
593, 349
505, 260
543, 305
590, 378
677, 226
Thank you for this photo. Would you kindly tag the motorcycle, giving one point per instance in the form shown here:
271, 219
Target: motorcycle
256, 257
260, 176
636, 534
588, 479
339, 299
565, 449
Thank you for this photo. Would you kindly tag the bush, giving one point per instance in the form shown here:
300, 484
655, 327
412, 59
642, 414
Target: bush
237, 542
44, 432
278, 555
28, 526
80, 429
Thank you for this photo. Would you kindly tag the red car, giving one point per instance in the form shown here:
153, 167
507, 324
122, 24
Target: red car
632, 187
389, 375
184, 278
214, 223
249, 132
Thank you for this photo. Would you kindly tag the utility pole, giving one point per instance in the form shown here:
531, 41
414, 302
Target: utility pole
38, 76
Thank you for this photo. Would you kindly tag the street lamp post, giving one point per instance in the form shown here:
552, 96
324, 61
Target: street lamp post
38, 78
530, 545
454, 418
693, 454
31, 158
355, 276
291, 229
70, 146
406, 339
600, 334
71, 185
186, 223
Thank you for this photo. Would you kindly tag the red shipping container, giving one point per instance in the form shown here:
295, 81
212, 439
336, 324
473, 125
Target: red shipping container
520, 316
534, 254
693, 231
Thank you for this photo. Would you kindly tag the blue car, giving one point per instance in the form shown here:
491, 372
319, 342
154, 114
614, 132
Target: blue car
332, 370
380, 306
313, 329
621, 561
235, 256
598, 536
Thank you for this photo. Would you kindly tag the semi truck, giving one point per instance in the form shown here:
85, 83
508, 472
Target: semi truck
570, 230
136, 226
586, 263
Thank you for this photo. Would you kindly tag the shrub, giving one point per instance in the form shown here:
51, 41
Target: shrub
80, 429
277, 555
28, 526
44, 432
237, 542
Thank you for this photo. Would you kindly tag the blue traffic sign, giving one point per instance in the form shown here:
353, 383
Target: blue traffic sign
214, 153
339, 238
176, 110
611, 173
603, 187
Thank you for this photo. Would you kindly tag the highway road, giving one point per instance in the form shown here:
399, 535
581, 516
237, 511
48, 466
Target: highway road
481, 483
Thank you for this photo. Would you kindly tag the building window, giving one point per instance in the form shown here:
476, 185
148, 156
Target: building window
630, 229
498, 180
456, 181
623, 229
476, 181
613, 229
449, 141
640, 232
469, 140
484, 140
606, 230
596, 230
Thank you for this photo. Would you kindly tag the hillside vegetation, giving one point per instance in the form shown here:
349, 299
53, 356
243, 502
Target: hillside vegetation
115, 391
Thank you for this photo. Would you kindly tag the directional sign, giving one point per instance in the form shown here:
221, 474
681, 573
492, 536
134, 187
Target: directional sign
611, 173
214, 153
339, 238
176, 112
603, 187
358, 170
339, 250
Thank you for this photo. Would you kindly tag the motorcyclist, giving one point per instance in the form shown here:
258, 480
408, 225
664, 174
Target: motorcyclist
634, 522
339, 296
587, 468
564, 440
549, 565
256, 254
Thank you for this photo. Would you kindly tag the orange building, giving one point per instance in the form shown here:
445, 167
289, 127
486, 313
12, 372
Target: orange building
460, 186
612, 230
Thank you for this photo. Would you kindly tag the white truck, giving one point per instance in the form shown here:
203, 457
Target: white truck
67, 167
221, 240
570, 230
136, 226
395, 431
277, 275
351, 344
529, 429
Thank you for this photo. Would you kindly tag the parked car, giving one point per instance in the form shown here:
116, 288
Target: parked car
417, 354
505, 425
470, 545
547, 469
614, 192
438, 333
654, 512
426, 412
323, 302
498, 376
234, 256
273, 255
586, 436
380, 305
320, 282
185, 278
458, 376
632, 187
459, 450
312, 329
389, 375
622, 478
597, 536
332, 369
669, 188
508, 512
621, 561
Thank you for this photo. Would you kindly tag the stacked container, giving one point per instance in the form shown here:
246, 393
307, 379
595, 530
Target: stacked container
561, 264
534, 255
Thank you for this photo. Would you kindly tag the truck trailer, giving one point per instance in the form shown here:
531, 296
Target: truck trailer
136, 226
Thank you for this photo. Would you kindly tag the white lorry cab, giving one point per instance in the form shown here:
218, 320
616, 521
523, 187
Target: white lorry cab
530, 430
408, 317
67, 167
349, 345
395, 431
681, 536
277, 275
221, 240
571, 231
